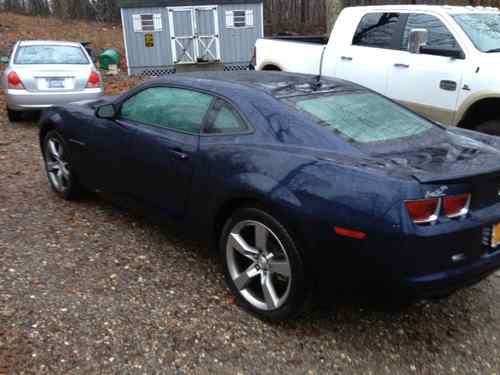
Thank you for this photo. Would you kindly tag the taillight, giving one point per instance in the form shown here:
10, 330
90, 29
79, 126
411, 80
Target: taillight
14, 82
456, 205
94, 80
424, 211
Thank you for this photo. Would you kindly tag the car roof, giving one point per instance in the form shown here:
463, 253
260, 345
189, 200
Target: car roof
449, 9
24, 43
254, 83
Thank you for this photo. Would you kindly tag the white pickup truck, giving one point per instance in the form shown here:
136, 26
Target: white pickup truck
441, 61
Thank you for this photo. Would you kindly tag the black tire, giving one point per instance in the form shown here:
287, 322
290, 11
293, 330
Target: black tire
72, 188
299, 289
14, 116
491, 127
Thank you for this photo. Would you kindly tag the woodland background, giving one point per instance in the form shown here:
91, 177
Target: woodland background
312, 17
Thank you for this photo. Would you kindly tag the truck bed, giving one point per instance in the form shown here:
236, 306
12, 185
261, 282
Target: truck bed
291, 54
314, 39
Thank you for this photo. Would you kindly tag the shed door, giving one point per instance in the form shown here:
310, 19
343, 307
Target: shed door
207, 32
194, 34
182, 34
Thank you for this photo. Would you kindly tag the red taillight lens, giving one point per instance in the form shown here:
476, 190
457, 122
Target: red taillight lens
456, 205
14, 81
423, 211
94, 80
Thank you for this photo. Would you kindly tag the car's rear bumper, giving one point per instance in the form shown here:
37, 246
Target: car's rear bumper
434, 262
22, 100
446, 282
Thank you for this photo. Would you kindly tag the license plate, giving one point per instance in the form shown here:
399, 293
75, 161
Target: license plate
56, 83
495, 237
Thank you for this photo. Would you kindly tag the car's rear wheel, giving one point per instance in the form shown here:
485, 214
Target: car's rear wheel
60, 172
14, 116
263, 266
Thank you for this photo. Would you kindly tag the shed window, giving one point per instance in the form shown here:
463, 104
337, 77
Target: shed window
239, 18
147, 22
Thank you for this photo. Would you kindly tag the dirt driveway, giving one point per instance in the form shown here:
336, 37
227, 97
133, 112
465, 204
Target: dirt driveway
89, 288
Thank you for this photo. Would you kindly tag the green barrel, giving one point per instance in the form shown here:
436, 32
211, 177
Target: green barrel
109, 57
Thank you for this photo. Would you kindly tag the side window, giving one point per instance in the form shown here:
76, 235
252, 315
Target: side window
239, 18
168, 107
147, 22
227, 120
376, 30
439, 36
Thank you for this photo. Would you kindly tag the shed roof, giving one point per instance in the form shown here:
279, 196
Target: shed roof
173, 3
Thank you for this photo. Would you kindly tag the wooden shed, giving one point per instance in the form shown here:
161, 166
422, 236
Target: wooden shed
166, 36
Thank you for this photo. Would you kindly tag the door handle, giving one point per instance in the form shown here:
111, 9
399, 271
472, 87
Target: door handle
399, 65
346, 58
178, 153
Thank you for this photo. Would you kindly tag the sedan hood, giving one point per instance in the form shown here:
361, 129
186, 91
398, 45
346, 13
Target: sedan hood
462, 154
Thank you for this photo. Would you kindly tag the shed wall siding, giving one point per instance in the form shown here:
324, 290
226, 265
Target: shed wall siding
237, 44
139, 55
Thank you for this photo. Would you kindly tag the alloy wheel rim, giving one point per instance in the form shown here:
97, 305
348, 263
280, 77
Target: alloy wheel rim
258, 265
57, 166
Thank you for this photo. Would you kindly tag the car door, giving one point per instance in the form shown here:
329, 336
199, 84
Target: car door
366, 61
101, 150
168, 122
427, 83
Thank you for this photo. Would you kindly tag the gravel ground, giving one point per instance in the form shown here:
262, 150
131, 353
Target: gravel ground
88, 288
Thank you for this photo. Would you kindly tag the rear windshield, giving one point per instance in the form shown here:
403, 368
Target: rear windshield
50, 55
363, 117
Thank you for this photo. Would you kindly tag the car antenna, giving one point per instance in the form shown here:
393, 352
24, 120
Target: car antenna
316, 85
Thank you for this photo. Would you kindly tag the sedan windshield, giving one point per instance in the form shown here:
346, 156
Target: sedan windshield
30, 55
482, 28
363, 117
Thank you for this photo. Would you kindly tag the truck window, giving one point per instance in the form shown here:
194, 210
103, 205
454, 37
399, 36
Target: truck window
482, 28
439, 35
376, 30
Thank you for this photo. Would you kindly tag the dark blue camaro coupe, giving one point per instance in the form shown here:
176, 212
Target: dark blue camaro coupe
303, 183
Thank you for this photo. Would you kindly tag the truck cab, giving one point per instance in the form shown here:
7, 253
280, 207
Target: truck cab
440, 61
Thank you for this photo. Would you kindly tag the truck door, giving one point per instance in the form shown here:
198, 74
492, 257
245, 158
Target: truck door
427, 83
366, 60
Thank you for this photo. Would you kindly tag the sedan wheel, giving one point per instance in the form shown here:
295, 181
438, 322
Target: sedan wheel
262, 266
57, 164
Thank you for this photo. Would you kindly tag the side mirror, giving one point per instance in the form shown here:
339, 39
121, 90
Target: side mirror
4, 60
106, 111
417, 39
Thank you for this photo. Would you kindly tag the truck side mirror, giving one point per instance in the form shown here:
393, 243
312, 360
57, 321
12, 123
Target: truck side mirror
417, 39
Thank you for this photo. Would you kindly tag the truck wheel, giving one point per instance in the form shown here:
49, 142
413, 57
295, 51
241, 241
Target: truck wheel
491, 127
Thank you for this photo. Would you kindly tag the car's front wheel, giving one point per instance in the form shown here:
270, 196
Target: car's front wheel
58, 166
263, 266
